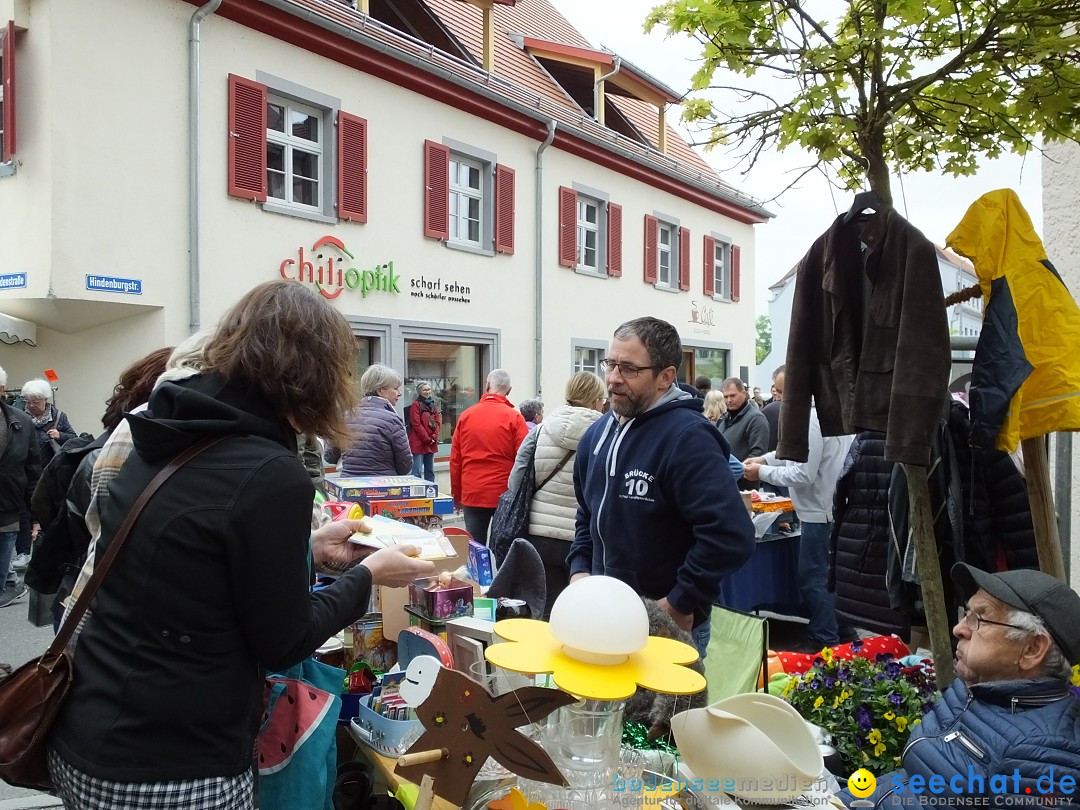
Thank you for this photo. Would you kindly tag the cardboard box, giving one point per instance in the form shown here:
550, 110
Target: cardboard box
479, 563
400, 508
392, 601
378, 487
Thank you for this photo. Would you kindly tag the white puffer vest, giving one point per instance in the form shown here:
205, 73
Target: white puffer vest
554, 508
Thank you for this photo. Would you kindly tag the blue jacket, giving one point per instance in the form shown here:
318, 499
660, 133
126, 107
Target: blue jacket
1026, 733
380, 444
658, 506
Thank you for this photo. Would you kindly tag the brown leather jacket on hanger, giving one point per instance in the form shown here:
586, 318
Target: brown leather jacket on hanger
869, 338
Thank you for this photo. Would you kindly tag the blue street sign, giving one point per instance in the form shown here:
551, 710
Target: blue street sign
12, 280
131, 286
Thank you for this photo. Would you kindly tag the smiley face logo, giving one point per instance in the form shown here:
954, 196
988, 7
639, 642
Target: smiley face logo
861, 783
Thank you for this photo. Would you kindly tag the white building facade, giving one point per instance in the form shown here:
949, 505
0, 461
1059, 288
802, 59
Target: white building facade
464, 209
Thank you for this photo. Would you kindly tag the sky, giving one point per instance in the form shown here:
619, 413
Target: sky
933, 203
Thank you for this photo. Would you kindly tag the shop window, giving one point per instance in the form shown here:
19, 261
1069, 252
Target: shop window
293, 150
7, 98
468, 198
667, 254
711, 363
454, 371
590, 232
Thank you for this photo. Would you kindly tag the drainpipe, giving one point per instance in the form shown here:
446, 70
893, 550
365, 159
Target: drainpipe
598, 113
194, 101
538, 252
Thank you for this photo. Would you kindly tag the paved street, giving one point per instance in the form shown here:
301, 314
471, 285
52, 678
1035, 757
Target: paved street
19, 641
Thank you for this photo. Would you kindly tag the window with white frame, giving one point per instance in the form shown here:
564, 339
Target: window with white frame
466, 200
665, 255
721, 269
295, 140
588, 359
588, 236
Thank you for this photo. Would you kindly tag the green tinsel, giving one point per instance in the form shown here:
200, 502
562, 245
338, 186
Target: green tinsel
636, 735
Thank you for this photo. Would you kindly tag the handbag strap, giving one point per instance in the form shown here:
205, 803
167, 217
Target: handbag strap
559, 466
102, 568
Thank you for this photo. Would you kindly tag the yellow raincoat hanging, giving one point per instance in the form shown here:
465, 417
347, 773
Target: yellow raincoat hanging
1025, 379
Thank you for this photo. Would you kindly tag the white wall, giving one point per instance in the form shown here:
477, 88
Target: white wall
118, 193
780, 306
1061, 237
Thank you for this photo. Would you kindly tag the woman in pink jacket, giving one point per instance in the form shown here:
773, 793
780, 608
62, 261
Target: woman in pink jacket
424, 421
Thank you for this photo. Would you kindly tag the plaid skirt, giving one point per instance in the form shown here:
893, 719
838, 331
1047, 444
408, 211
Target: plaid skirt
81, 791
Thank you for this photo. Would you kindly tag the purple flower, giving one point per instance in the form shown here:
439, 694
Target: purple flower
867, 682
862, 714
880, 676
883, 658
856, 646
895, 699
844, 675
815, 684
1075, 690
830, 682
926, 707
859, 741
892, 669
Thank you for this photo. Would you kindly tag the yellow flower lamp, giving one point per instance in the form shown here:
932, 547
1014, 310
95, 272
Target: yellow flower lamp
756, 746
597, 645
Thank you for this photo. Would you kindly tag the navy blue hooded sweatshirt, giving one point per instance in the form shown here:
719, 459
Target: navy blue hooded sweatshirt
658, 506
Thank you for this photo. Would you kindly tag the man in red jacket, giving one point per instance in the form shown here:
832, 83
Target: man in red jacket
482, 452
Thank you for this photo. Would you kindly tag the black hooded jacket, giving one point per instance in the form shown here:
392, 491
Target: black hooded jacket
209, 591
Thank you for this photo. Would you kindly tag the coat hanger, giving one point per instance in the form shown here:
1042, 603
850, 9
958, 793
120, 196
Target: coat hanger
862, 201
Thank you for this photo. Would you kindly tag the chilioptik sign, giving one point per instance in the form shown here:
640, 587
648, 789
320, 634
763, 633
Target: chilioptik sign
324, 266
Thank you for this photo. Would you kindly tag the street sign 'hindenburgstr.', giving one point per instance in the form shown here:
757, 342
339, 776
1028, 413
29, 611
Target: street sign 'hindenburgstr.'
11, 281
131, 286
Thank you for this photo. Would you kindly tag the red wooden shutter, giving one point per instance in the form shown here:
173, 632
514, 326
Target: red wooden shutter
352, 168
736, 270
436, 190
652, 231
8, 69
504, 209
684, 258
567, 227
709, 265
614, 240
247, 139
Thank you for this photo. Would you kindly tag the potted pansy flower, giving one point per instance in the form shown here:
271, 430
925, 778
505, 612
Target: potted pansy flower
868, 707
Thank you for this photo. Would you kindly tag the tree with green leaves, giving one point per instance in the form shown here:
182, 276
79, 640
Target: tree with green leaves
870, 87
764, 338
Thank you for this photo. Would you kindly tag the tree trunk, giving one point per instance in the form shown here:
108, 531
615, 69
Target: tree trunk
877, 170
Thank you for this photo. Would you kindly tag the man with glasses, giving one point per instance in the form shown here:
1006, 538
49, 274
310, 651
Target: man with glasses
657, 504
1010, 712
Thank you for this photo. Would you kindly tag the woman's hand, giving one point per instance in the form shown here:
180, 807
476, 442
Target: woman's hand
52, 433
397, 566
330, 544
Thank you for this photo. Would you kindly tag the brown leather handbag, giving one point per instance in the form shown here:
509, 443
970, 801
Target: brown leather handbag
31, 697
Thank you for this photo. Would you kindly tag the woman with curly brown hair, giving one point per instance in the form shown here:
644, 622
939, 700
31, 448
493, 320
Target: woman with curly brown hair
212, 586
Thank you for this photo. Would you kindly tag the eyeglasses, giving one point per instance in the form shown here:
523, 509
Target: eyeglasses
976, 621
627, 370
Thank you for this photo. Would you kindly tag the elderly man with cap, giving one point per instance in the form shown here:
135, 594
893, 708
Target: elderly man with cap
1008, 728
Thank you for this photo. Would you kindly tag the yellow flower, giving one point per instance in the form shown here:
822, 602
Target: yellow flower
835, 702
818, 702
1076, 675
916, 721
532, 648
889, 715
827, 654
875, 736
844, 695
901, 723
879, 749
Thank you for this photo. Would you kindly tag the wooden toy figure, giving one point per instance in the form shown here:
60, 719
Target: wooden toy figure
464, 725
